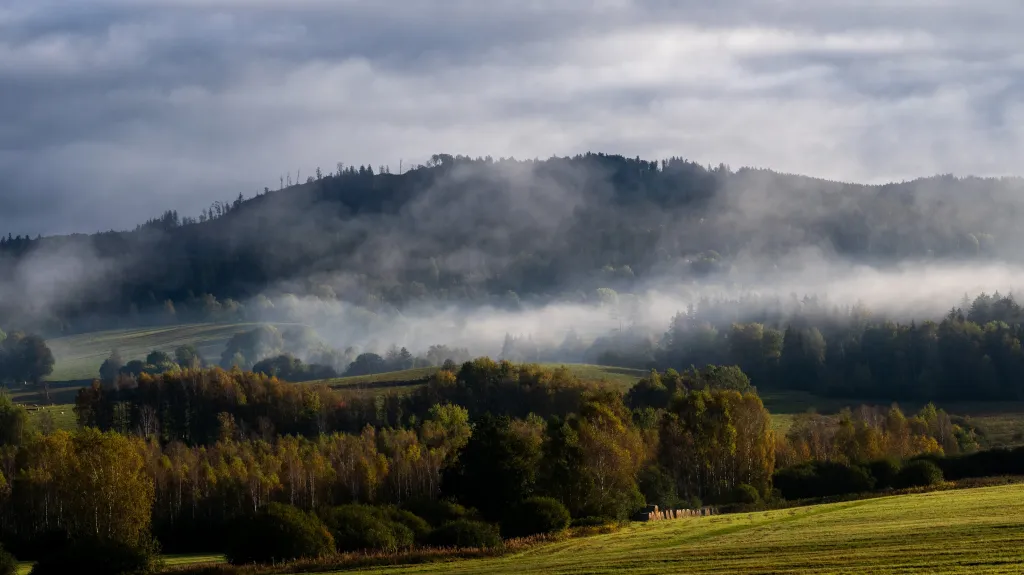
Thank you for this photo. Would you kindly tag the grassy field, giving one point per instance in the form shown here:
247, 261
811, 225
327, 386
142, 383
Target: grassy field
964, 531
410, 379
79, 356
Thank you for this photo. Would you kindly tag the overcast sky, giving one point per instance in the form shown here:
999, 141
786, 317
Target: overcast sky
112, 111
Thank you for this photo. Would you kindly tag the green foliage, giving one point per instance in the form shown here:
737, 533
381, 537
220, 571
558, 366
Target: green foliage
88, 556
918, 473
187, 356
745, 494
592, 521
416, 524
822, 479
25, 359
290, 368
438, 512
466, 533
278, 533
13, 421
362, 527
535, 516
884, 471
496, 467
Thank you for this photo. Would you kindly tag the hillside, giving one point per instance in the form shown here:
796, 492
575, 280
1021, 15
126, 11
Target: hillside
966, 531
79, 356
466, 230
955, 532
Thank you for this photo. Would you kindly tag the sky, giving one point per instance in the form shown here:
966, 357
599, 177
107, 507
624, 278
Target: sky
112, 111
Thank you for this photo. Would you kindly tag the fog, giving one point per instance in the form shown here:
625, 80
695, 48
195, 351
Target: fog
912, 291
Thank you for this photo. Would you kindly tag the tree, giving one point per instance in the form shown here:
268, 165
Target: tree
26, 359
14, 426
497, 468
187, 356
367, 364
111, 367
713, 440
160, 361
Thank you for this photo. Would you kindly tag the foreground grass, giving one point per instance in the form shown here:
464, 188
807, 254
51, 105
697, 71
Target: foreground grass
964, 531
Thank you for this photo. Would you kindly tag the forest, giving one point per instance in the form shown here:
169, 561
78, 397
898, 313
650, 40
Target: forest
207, 460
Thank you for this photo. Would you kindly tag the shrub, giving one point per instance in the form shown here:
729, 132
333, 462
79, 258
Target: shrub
99, 557
8, 564
276, 533
535, 516
821, 479
466, 533
658, 487
419, 527
362, 527
919, 473
592, 521
884, 471
745, 494
439, 512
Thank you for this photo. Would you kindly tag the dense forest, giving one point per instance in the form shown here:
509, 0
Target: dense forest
504, 232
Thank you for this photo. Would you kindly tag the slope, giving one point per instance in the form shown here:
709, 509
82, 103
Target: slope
962, 531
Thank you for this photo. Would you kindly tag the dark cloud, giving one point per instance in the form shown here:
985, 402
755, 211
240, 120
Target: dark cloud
112, 111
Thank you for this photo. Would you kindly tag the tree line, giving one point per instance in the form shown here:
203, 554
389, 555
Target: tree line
974, 352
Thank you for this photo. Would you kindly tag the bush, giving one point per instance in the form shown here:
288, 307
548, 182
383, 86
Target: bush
8, 564
277, 533
884, 471
535, 516
419, 527
658, 487
99, 557
466, 533
745, 494
439, 512
362, 527
822, 479
592, 521
919, 473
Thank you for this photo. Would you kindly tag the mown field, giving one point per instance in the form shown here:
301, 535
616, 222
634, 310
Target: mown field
965, 531
962, 531
79, 356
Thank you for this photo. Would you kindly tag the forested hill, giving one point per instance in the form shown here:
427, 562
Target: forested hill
464, 229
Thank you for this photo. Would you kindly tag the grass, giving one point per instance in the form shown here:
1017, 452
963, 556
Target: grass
78, 357
962, 531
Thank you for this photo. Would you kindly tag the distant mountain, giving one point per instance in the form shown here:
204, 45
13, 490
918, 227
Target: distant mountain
474, 230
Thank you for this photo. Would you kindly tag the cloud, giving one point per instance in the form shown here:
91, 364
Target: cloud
112, 111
